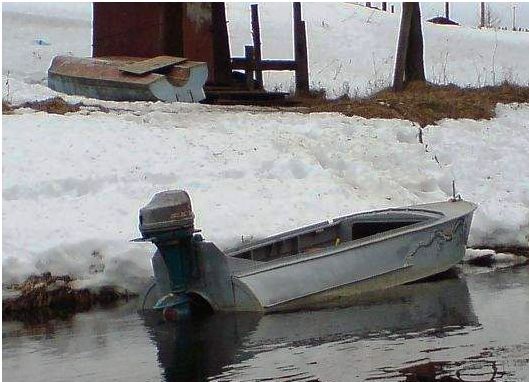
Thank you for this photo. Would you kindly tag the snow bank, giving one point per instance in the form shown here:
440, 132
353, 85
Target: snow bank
491, 259
73, 184
489, 163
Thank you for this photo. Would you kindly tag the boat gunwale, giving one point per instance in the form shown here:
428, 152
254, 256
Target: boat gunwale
234, 251
260, 267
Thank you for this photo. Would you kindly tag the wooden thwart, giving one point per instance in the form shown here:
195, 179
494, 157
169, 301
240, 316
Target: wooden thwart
151, 64
241, 63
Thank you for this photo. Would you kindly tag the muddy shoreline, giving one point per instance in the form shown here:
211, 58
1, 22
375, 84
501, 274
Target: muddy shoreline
43, 297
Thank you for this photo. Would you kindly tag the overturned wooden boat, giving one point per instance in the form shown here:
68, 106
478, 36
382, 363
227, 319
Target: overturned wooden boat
163, 78
301, 268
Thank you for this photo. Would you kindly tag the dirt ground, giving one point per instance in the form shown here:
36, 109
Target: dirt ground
423, 103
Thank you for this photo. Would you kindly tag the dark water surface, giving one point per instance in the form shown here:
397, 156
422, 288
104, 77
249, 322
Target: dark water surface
474, 327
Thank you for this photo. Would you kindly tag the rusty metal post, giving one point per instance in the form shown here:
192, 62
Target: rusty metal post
205, 38
250, 64
256, 35
137, 29
300, 51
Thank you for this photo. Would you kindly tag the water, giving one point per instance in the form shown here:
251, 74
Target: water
474, 326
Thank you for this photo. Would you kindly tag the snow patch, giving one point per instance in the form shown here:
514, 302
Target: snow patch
73, 184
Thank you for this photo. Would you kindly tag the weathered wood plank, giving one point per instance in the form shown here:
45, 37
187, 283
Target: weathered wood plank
239, 63
151, 64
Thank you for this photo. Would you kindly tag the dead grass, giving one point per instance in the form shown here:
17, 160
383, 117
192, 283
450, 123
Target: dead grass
7, 108
423, 103
55, 105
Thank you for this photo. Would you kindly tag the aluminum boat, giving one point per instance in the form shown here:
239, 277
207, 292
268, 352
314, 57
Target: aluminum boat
304, 267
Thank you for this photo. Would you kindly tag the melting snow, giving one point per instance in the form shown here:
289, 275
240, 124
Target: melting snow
73, 184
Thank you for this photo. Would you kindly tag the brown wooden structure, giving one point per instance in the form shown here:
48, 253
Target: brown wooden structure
198, 32
253, 63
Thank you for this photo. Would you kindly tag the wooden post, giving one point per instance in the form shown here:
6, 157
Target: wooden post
300, 51
447, 10
482, 19
368, 4
514, 17
248, 71
384, 6
256, 35
392, 9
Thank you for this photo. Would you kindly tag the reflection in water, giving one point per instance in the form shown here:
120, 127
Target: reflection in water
192, 350
196, 350
444, 371
420, 332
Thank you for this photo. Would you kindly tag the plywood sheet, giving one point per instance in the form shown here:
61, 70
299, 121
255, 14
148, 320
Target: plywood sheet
151, 64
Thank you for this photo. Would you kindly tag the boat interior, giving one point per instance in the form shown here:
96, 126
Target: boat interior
318, 237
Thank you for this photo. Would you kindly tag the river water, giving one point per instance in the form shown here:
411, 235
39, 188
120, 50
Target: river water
474, 327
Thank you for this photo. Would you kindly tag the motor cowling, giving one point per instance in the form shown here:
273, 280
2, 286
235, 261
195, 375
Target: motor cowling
167, 212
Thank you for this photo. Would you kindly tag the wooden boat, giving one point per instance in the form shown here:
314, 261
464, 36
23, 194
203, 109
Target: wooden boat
129, 78
305, 267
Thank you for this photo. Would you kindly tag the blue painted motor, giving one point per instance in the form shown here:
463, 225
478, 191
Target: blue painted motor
168, 222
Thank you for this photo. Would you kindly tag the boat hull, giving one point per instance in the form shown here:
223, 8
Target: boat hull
393, 261
375, 262
103, 79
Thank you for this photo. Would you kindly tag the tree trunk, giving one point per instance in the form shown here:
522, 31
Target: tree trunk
415, 56
402, 48
409, 63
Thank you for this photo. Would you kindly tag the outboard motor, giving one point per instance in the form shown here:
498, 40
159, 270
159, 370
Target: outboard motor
168, 222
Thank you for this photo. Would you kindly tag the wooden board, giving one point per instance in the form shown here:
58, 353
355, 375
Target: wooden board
151, 64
